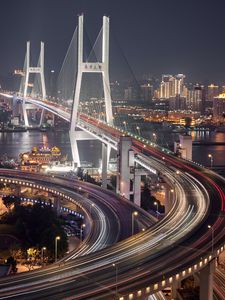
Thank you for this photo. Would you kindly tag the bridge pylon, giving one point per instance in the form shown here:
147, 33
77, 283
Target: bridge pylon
91, 67
25, 83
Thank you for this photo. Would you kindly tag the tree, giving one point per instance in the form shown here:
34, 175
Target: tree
11, 261
188, 121
37, 226
10, 200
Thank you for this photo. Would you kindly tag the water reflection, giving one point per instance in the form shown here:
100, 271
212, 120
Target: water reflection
14, 143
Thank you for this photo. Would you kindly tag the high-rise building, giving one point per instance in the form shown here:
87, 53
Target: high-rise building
179, 84
147, 92
212, 92
219, 108
195, 99
166, 90
172, 86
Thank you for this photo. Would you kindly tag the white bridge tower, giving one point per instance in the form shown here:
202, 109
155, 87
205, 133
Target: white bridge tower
92, 67
32, 70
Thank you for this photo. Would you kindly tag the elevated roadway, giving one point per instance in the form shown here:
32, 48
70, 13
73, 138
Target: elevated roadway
171, 250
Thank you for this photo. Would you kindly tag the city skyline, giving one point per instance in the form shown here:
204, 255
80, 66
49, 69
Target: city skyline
170, 41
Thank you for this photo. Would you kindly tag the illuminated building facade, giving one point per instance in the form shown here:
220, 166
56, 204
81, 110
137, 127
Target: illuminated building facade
213, 91
219, 108
39, 158
172, 86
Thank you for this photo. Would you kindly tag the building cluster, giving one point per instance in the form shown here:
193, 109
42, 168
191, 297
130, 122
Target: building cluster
173, 93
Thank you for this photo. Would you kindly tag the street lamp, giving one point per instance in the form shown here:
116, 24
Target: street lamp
134, 214
212, 230
157, 207
138, 129
57, 238
125, 125
116, 270
81, 231
42, 254
211, 160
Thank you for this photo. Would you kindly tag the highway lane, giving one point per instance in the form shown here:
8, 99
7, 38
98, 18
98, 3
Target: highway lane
94, 194
157, 260
149, 246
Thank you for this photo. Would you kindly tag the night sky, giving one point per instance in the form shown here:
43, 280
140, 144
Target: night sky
157, 36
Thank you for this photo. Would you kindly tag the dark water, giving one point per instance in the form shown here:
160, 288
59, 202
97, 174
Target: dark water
13, 144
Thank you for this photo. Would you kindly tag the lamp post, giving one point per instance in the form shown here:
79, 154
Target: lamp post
125, 125
212, 230
116, 271
157, 208
211, 160
171, 193
138, 130
81, 231
134, 214
42, 254
155, 137
57, 238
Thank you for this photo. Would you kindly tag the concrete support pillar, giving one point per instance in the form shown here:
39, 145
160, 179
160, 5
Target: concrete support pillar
74, 148
137, 189
41, 118
206, 281
104, 165
25, 117
57, 205
124, 164
175, 286
186, 146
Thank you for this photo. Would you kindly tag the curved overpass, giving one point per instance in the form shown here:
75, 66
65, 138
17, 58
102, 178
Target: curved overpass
174, 248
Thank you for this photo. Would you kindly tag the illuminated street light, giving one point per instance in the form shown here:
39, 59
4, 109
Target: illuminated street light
157, 207
57, 238
125, 125
211, 160
42, 254
212, 230
134, 214
116, 270
138, 130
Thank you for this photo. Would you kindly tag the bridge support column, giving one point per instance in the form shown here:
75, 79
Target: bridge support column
185, 146
137, 189
57, 205
25, 116
104, 165
74, 148
42, 117
124, 164
206, 281
175, 286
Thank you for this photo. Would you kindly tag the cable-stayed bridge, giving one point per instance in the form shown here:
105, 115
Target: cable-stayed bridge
185, 242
